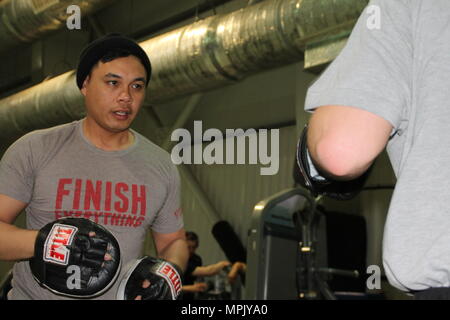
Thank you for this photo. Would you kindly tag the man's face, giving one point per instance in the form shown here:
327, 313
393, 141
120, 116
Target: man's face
114, 92
192, 246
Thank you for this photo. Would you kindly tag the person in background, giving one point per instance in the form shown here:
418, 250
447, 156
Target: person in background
195, 269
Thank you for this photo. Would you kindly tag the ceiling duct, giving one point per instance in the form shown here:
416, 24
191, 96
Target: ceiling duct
23, 21
207, 54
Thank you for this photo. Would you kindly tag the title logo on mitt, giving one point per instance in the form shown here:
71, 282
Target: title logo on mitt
55, 250
169, 273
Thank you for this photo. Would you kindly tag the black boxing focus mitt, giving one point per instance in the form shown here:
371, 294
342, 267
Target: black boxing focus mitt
70, 259
164, 277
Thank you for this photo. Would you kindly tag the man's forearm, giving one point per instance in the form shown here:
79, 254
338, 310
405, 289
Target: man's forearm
215, 268
176, 252
189, 288
207, 271
16, 243
210, 270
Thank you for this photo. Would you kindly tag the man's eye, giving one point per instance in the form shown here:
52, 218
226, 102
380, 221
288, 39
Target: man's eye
137, 86
112, 82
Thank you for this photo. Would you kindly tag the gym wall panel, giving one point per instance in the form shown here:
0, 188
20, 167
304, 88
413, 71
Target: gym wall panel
197, 219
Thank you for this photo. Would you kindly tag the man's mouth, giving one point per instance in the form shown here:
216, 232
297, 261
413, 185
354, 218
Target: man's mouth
121, 114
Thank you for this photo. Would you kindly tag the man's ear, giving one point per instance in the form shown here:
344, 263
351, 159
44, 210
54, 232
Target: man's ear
85, 82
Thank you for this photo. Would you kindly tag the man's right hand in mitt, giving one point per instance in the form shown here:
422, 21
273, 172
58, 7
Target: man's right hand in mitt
75, 257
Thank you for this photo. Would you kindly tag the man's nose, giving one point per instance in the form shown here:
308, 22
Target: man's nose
125, 96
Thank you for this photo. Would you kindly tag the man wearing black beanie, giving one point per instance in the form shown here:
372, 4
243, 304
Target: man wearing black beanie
97, 50
98, 169
107, 61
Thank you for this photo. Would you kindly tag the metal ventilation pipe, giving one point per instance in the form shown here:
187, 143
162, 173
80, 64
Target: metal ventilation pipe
23, 21
223, 49
210, 53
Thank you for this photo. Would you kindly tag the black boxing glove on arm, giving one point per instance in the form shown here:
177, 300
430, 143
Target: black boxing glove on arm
164, 278
70, 260
320, 185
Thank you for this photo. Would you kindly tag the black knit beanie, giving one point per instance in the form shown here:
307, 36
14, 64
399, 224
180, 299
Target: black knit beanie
94, 51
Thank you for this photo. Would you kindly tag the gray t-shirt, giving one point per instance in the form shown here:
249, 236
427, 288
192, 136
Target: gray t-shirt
400, 72
59, 173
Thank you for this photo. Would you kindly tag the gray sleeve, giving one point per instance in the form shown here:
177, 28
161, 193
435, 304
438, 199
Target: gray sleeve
374, 70
16, 171
169, 218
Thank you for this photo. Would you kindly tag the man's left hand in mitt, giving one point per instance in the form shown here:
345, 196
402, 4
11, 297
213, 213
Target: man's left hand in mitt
150, 278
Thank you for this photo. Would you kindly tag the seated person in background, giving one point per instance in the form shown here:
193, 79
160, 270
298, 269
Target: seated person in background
195, 269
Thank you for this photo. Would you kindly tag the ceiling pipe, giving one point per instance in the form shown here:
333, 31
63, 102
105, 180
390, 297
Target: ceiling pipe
204, 55
224, 49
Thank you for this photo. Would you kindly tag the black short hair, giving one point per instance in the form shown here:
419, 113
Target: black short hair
192, 236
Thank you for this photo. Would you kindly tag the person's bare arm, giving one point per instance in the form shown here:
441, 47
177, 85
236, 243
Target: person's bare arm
210, 270
172, 247
344, 141
15, 243
196, 287
236, 269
